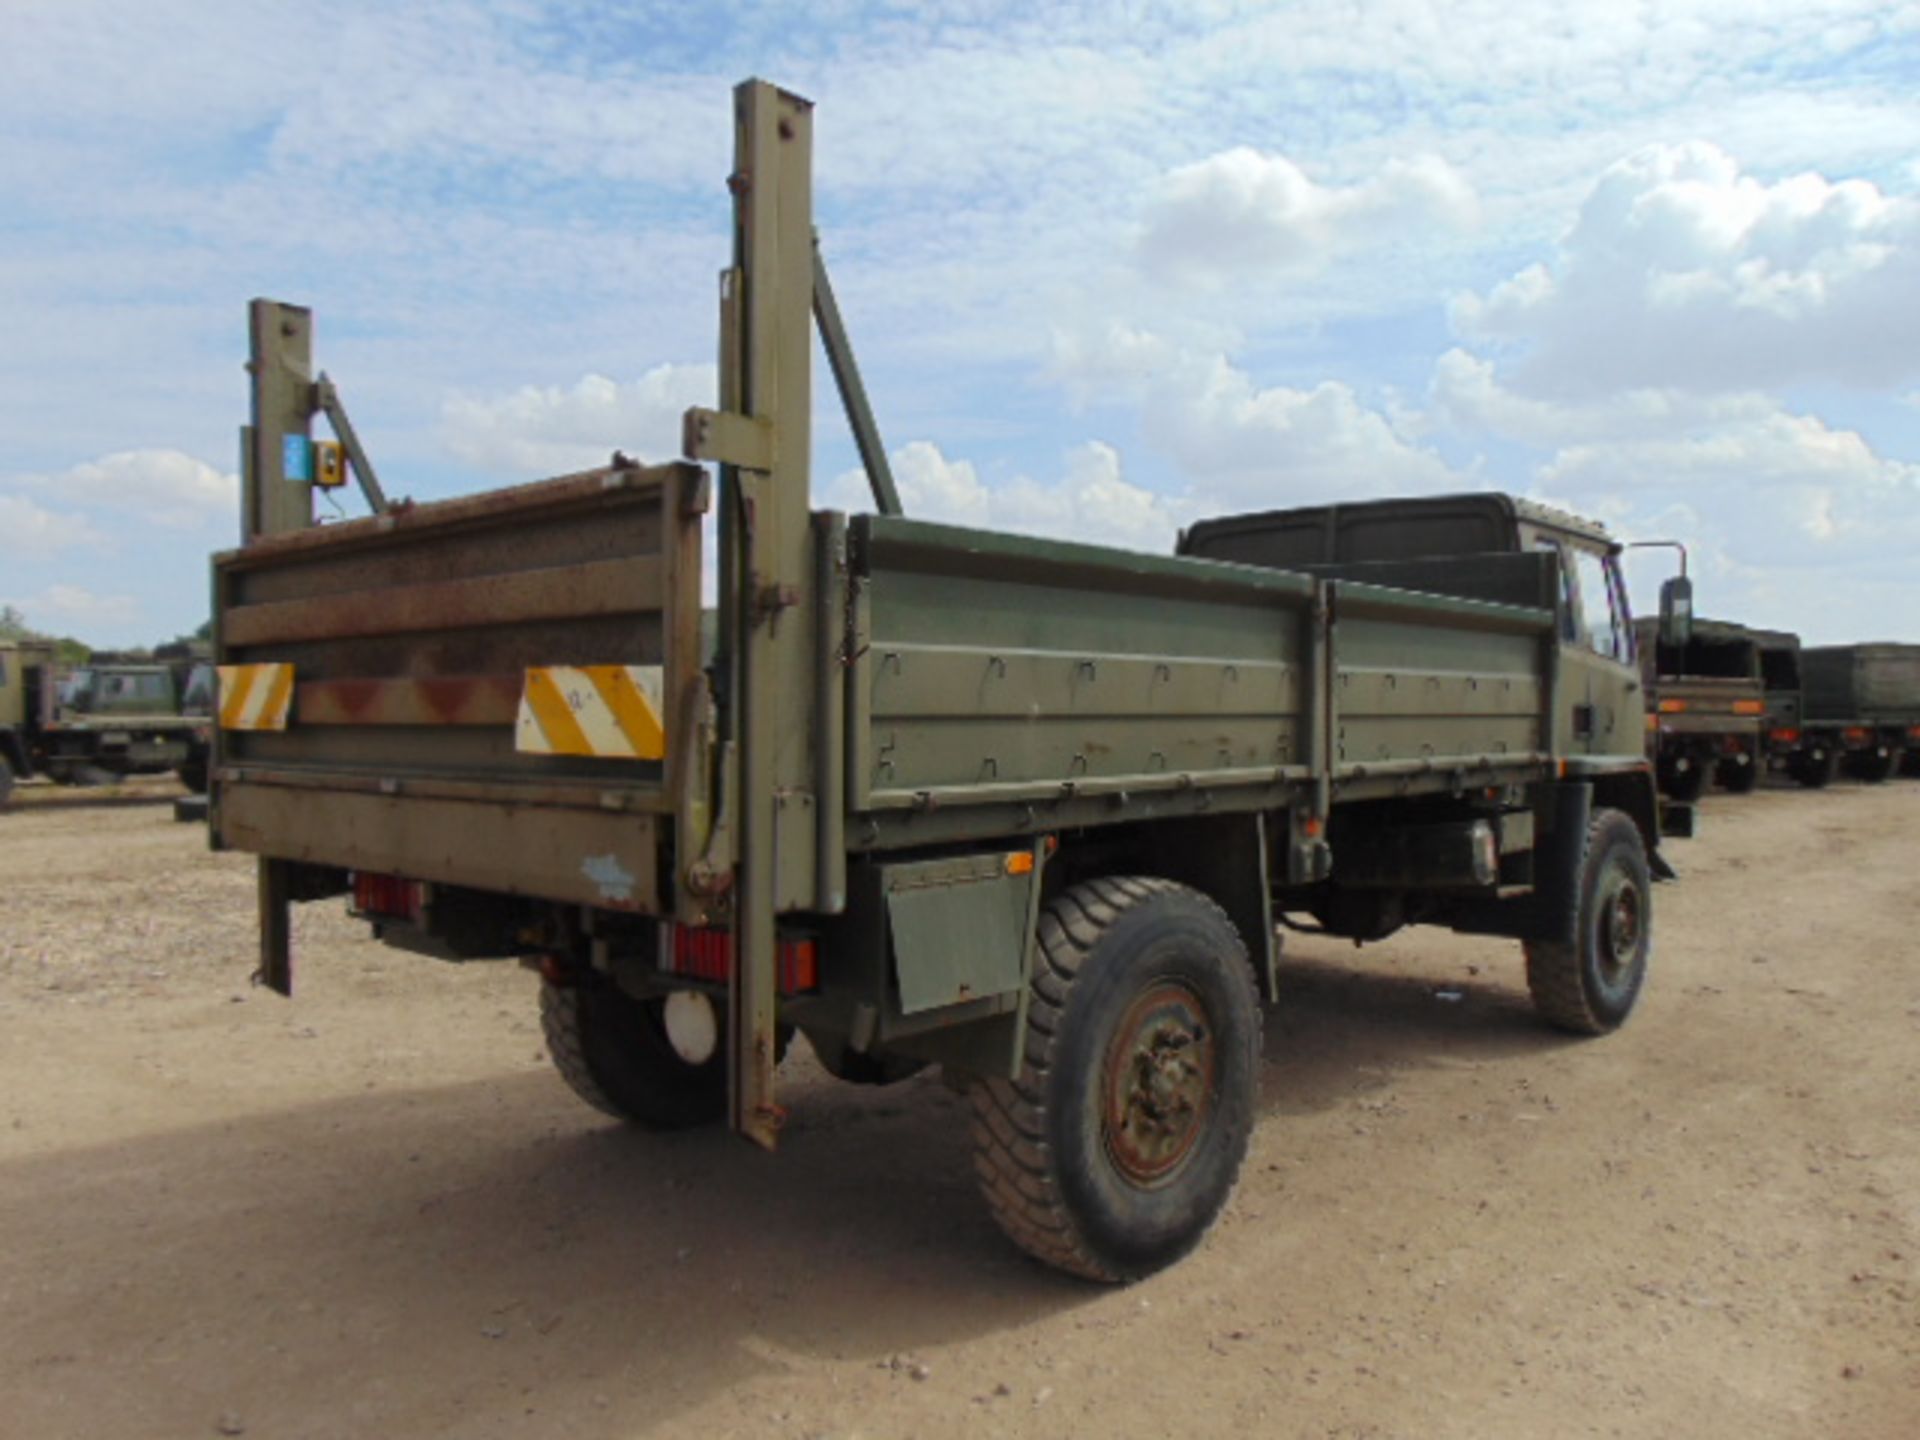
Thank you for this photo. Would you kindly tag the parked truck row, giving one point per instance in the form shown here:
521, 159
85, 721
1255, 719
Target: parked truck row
1732, 702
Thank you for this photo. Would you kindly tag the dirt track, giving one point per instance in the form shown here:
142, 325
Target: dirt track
373, 1211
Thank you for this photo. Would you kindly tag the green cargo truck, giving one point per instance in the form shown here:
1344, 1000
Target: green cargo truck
1863, 703
1706, 707
1024, 809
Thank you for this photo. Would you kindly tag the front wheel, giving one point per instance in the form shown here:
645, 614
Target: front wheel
1588, 984
659, 1062
1116, 1147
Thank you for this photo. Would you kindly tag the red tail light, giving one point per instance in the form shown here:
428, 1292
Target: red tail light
390, 896
708, 955
1787, 735
1857, 734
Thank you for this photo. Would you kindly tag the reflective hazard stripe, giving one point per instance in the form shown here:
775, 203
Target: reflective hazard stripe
255, 697
612, 711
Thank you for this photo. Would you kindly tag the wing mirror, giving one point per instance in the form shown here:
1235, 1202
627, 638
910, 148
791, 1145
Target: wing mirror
1676, 612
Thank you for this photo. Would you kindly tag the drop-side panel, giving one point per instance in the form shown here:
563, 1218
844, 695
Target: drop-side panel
995, 666
1431, 680
410, 638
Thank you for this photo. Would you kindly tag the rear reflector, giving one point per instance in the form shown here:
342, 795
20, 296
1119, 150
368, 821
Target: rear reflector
1785, 735
1749, 707
1673, 707
392, 896
708, 955
1857, 734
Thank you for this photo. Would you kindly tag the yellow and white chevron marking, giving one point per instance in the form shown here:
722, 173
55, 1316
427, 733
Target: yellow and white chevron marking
611, 711
255, 697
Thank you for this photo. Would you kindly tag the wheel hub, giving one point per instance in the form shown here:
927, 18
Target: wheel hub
1160, 1076
1622, 921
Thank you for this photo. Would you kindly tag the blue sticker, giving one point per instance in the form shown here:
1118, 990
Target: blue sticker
296, 458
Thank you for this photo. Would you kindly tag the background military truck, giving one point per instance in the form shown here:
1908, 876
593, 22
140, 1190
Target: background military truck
1864, 703
103, 720
115, 717
1706, 707
1025, 809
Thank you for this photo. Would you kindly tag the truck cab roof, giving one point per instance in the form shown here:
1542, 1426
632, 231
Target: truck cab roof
1425, 527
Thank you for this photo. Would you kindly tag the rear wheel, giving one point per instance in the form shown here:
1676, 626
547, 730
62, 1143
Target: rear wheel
193, 775
1116, 1147
659, 1062
1814, 769
1588, 984
1682, 778
6, 781
1872, 766
1738, 774
1910, 763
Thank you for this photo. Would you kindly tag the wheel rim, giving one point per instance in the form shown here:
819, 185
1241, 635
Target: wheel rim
1159, 1083
1622, 922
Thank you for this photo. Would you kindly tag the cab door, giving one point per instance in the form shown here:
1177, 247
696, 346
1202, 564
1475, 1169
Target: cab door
1613, 719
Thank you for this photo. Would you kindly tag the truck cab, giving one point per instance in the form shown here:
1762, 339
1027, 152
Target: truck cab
1418, 543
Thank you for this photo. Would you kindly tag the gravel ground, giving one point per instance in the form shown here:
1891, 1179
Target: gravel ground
374, 1210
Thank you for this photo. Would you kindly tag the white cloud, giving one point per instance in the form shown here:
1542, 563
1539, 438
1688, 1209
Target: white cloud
28, 528
1091, 501
163, 487
73, 609
1682, 271
1246, 213
1467, 394
547, 430
1238, 443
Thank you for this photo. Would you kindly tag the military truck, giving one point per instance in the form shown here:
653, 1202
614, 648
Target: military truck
1024, 809
1864, 703
1707, 707
102, 721
114, 717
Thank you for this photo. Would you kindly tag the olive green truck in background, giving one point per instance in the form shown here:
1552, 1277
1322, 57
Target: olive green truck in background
1706, 707
1024, 809
102, 721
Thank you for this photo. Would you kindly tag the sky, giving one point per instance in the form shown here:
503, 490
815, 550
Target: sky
1108, 268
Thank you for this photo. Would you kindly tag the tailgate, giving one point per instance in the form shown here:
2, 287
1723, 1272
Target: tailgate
411, 694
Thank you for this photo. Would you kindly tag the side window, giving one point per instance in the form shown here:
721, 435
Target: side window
1569, 613
1622, 611
1599, 625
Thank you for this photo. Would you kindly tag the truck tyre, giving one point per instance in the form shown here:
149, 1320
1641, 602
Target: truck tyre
1871, 767
1910, 764
614, 1051
1682, 778
193, 775
1814, 769
6, 782
1738, 779
1114, 1150
1589, 984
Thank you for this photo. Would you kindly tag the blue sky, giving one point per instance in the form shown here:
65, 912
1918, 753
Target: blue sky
1108, 267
